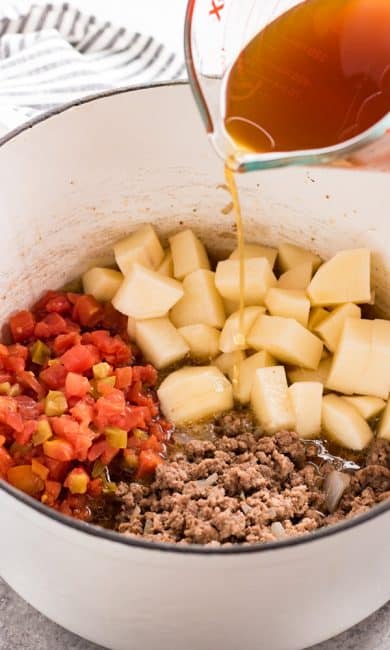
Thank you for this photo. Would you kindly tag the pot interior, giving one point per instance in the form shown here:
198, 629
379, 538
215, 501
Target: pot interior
76, 182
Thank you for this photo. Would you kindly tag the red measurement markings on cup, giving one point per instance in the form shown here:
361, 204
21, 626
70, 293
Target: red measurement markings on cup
216, 9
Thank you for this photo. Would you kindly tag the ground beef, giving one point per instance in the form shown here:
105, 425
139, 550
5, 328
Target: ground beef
231, 485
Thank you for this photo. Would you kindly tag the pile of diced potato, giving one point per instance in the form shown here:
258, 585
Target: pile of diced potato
302, 357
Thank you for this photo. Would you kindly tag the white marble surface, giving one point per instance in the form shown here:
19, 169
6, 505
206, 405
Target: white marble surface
22, 628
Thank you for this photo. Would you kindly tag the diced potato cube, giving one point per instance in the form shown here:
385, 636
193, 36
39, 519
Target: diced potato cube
166, 266
344, 278
343, 424
189, 254
142, 246
255, 250
317, 315
160, 342
306, 398
243, 374
287, 340
296, 278
270, 400
201, 302
368, 407
231, 336
227, 360
290, 256
289, 303
361, 363
193, 393
330, 328
146, 294
258, 279
202, 340
319, 375
384, 424
102, 283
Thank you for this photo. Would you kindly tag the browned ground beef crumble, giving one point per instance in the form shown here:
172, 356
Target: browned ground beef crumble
230, 484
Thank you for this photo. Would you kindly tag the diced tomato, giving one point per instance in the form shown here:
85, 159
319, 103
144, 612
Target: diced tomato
80, 358
86, 338
5, 462
109, 454
58, 449
96, 450
18, 350
22, 325
54, 376
24, 436
95, 487
153, 444
28, 379
57, 468
68, 429
28, 408
102, 450
23, 478
9, 413
83, 444
135, 443
124, 377
73, 297
147, 463
65, 427
114, 320
136, 396
108, 408
14, 364
52, 325
83, 412
72, 326
52, 492
4, 351
87, 311
145, 374
40, 305
76, 385
75, 506
59, 304
112, 348
63, 342
133, 417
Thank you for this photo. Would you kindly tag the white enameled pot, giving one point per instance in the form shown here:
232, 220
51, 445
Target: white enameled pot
71, 185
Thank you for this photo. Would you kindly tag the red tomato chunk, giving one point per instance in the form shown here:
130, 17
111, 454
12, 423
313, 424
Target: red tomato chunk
77, 405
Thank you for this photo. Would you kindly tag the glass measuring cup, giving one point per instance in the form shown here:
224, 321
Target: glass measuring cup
216, 31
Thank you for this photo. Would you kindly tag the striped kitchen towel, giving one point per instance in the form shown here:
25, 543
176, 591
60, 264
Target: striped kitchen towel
53, 54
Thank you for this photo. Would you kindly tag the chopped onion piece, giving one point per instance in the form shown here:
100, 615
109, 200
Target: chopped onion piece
277, 529
335, 485
210, 480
